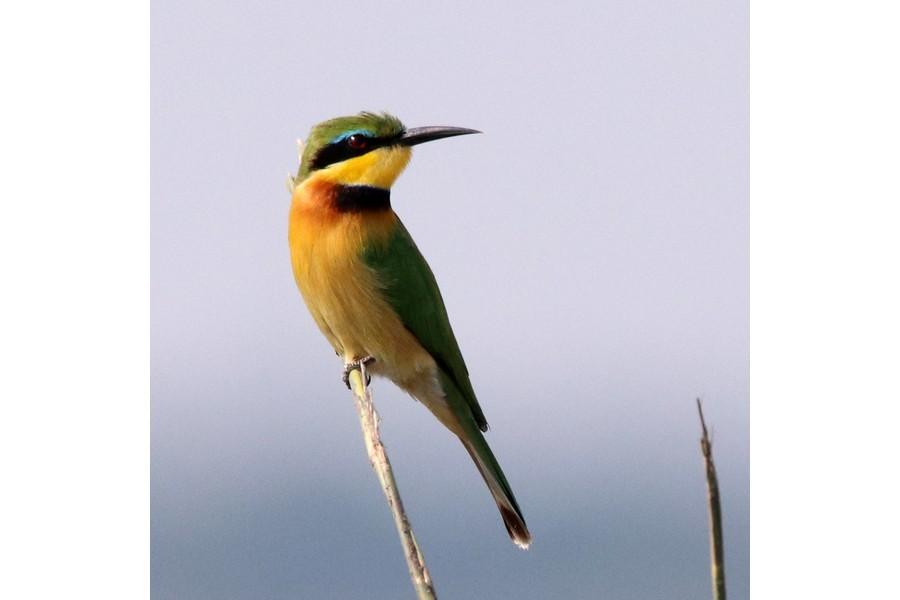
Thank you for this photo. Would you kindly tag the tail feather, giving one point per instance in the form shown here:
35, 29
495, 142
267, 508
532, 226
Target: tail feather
516, 527
500, 490
461, 421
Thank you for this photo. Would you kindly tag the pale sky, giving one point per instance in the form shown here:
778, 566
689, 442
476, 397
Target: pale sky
592, 250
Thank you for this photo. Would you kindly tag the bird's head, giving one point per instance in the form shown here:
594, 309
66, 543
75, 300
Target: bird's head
365, 149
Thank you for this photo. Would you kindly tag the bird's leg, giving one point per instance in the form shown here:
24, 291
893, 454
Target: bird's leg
354, 364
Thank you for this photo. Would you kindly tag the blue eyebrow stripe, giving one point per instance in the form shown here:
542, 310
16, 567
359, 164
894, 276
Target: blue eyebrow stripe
347, 134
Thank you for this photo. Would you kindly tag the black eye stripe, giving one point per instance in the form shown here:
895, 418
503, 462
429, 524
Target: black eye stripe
344, 149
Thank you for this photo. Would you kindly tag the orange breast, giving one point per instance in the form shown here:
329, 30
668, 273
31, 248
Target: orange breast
341, 291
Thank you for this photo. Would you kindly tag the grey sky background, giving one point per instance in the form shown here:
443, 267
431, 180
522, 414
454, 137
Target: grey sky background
592, 250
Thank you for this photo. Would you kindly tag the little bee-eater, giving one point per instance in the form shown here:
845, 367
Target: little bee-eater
370, 290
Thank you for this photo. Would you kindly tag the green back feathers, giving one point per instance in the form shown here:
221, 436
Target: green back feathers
333, 130
411, 290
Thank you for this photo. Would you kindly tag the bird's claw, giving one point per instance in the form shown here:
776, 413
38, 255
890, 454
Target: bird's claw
354, 365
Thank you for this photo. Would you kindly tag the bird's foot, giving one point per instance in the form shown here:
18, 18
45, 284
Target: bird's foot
353, 365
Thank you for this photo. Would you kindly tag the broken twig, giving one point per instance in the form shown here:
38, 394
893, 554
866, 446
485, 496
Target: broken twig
716, 545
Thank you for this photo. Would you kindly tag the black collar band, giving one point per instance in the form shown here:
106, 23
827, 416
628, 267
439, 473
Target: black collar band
362, 198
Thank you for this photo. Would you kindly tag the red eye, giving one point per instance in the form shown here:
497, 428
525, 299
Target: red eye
357, 141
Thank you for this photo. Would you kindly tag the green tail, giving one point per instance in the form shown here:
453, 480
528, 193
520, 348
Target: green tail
488, 467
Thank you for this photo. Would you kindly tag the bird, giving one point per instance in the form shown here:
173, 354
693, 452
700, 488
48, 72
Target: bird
370, 290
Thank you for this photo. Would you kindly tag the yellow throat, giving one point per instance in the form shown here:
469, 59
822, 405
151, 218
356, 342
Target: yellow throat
379, 168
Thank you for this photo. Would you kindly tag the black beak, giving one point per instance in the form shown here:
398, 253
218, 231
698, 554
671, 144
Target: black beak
420, 135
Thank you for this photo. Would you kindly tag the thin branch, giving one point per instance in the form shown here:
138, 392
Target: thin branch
716, 544
368, 419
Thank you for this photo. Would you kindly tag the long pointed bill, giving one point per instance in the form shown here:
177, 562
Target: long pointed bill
420, 135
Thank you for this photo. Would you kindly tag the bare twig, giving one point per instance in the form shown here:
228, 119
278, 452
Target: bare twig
368, 419
716, 545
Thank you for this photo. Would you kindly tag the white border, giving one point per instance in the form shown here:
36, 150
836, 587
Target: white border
824, 299
74, 427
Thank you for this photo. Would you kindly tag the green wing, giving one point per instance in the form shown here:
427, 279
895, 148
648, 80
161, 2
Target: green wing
412, 292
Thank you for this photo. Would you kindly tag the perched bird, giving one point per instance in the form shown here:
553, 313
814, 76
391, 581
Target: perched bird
370, 290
